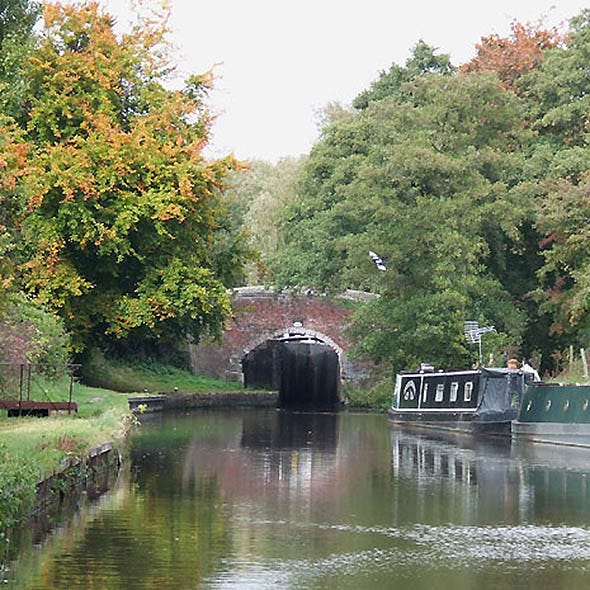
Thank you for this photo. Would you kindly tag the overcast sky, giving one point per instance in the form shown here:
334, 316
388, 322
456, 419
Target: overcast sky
277, 63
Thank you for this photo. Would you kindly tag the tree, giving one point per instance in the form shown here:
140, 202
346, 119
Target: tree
17, 19
423, 60
259, 193
559, 112
128, 232
565, 219
429, 183
559, 101
513, 56
13, 166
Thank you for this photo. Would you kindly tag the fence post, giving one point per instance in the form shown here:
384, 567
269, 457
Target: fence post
28, 381
21, 379
584, 362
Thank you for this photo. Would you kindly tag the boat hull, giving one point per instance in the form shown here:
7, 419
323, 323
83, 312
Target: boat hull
499, 424
557, 414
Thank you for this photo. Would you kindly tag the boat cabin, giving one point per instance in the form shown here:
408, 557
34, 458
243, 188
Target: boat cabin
455, 398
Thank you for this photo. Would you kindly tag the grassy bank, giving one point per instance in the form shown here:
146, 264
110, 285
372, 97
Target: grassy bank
32, 449
147, 376
376, 396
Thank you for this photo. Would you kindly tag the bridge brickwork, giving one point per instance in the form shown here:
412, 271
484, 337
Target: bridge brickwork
261, 315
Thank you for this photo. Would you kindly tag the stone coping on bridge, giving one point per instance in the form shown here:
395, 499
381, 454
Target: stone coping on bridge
258, 291
216, 399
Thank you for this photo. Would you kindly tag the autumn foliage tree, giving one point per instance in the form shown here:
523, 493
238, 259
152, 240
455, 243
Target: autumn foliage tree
513, 56
13, 166
128, 234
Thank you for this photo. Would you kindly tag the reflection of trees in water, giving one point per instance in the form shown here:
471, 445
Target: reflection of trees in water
142, 540
470, 479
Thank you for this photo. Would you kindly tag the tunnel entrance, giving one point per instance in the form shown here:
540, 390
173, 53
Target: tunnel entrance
306, 373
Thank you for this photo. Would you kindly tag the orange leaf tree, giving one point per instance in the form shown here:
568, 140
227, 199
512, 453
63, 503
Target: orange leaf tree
13, 168
127, 226
513, 56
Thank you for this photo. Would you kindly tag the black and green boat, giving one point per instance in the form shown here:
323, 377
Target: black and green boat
554, 413
482, 400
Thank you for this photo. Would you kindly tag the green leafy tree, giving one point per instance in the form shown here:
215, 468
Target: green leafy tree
17, 19
566, 273
559, 110
128, 231
424, 60
259, 193
428, 182
560, 106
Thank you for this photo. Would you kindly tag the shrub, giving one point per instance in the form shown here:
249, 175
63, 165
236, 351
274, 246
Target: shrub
29, 334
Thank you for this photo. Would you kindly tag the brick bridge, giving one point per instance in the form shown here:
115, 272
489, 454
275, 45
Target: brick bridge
294, 343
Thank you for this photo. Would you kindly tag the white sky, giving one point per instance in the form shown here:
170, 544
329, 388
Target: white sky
277, 63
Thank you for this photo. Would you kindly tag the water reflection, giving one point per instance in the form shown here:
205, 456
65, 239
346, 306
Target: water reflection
266, 499
496, 479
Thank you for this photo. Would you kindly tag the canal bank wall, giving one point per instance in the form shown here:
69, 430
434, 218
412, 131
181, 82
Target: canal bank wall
58, 497
192, 401
91, 475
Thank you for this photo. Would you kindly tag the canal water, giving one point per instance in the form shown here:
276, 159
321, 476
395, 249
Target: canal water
267, 499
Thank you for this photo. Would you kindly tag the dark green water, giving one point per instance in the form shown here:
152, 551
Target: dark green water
271, 499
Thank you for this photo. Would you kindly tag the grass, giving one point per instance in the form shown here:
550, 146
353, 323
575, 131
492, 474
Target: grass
32, 448
376, 396
151, 377
573, 373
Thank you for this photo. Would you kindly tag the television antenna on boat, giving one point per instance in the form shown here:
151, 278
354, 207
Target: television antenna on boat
473, 334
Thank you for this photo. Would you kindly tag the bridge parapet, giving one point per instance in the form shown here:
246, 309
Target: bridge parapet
262, 315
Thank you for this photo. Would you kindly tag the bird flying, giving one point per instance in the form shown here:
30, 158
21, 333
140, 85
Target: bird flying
380, 264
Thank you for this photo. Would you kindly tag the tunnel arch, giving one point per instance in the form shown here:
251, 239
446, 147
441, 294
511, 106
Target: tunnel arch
293, 332
304, 365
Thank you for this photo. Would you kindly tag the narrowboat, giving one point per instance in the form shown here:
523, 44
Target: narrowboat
484, 400
554, 413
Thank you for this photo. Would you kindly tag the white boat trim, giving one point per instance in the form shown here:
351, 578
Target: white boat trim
431, 410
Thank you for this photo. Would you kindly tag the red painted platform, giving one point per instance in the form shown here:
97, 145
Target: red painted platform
35, 408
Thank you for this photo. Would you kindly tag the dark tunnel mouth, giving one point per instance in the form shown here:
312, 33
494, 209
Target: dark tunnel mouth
306, 372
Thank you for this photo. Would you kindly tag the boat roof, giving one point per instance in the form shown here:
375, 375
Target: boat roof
490, 371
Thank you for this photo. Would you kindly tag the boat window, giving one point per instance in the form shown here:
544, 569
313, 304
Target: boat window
468, 391
454, 390
440, 388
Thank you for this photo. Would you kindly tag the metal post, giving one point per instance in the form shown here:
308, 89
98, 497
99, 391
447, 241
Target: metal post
71, 391
20, 388
29, 382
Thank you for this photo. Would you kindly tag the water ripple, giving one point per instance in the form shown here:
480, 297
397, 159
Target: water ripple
461, 546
